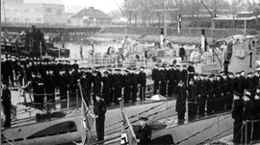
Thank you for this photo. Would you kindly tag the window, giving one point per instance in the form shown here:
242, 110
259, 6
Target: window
163, 140
62, 128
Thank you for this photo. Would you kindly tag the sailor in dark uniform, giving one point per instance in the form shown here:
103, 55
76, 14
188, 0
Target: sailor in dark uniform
181, 102
134, 85
237, 110
100, 112
210, 95
247, 116
202, 96
63, 87
73, 87
127, 86
7, 105
112, 80
118, 86
171, 75
50, 86
106, 88
218, 106
191, 71
230, 90
256, 133
38, 91
156, 79
192, 100
144, 132
89, 79
163, 84
142, 81
97, 83
83, 82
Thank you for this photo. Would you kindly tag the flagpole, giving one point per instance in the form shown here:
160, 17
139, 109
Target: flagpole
0, 74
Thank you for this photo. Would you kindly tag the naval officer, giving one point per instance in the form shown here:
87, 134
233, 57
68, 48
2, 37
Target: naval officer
100, 110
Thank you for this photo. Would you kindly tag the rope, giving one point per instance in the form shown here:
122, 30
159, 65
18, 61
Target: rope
199, 132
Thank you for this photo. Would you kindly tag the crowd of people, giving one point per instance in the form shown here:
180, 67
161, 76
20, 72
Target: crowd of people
42, 77
212, 94
166, 78
246, 111
204, 94
113, 84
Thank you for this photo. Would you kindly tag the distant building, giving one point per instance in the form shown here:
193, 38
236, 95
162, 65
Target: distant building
90, 17
243, 19
16, 11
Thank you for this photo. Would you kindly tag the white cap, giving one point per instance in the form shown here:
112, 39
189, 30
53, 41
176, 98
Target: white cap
246, 99
236, 97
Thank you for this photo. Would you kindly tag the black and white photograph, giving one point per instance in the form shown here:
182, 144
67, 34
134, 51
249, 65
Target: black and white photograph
130, 72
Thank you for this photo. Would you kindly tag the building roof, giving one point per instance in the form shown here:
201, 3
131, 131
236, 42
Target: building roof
91, 12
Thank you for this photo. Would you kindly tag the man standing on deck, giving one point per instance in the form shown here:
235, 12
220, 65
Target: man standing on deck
105, 88
50, 86
142, 80
7, 105
181, 102
192, 101
38, 90
100, 112
155, 78
237, 116
202, 95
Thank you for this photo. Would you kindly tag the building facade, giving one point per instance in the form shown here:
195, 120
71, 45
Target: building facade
18, 12
90, 17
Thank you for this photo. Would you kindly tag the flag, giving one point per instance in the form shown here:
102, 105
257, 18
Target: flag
128, 136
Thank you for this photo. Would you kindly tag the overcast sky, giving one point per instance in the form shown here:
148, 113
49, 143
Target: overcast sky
76, 5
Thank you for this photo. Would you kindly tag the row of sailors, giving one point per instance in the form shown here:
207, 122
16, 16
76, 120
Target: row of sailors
246, 116
166, 78
206, 95
112, 84
20, 70
109, 84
